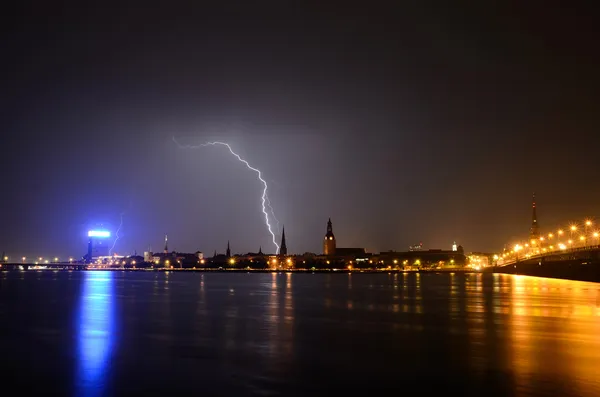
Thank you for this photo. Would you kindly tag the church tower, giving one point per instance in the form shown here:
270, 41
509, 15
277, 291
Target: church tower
329, 243
228, 252
283, 248
166, 250
534, 232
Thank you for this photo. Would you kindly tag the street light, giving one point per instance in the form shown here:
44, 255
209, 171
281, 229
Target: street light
517, 249
24, 259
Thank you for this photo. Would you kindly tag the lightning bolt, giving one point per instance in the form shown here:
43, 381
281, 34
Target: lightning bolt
265, 198
272, 212
117, 234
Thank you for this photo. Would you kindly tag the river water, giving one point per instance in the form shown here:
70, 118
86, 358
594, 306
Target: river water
235, 334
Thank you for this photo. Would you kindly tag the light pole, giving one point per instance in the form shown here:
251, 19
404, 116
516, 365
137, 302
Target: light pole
517, 249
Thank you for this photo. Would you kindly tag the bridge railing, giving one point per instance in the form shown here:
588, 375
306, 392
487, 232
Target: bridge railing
519, 258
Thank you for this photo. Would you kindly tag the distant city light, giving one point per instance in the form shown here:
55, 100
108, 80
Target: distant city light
99, 233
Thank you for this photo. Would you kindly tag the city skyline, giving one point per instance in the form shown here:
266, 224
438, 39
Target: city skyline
401, 123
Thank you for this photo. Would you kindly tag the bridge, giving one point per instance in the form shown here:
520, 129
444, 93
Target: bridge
50, 265
572, 252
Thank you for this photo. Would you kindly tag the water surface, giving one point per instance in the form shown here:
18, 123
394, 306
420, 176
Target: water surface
225, 334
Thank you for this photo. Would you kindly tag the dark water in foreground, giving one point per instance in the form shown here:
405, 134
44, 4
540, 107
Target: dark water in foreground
160, 334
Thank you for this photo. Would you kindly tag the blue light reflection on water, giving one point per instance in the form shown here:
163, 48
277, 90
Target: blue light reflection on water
95, 333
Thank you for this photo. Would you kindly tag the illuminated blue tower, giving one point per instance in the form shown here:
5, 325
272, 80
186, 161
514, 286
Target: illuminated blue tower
97, 246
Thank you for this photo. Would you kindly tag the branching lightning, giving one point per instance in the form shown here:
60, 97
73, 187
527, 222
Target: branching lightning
117, 234
272, 212
265, 198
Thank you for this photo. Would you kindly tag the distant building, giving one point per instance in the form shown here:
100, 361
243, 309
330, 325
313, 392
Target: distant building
329, 243
172, 259
416, 247
331, 250
350, 252
431, 258
479, 260
98, 246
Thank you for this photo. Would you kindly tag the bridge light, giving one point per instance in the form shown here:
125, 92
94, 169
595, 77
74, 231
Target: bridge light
581, 238
596, 235
560, 232
573, 228
550, 235
570, 241
588, 223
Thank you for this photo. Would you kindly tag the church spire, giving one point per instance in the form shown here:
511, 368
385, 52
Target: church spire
228, 252
534, 232
283, 248
260, 250
166, 250
329, 243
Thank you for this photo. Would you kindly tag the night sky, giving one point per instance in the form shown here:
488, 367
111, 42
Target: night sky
402, 121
